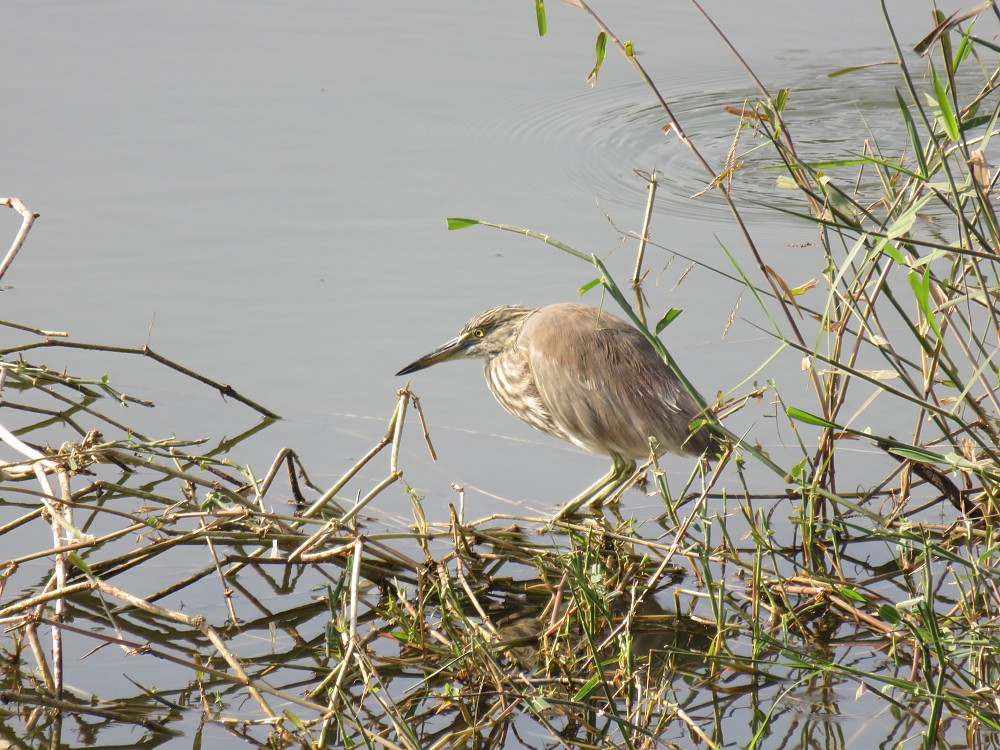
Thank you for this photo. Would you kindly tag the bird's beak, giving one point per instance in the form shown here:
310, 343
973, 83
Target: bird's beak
454, 348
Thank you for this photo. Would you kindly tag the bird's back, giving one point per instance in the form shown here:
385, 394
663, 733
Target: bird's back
598, 383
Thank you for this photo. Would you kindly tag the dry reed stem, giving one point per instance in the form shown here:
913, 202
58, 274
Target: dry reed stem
27, 219
122, 458
328, 554
382, 695
390, 436
226, 391
644, 236
694, 727
375, 492
423, 426
31, 630
396, 427
40, 465
290, 458
227, 592
351, 644
59, 567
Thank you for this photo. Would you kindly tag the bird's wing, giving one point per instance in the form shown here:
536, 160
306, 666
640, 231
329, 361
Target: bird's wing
604, 384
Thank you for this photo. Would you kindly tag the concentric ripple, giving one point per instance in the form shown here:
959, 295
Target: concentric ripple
597, 138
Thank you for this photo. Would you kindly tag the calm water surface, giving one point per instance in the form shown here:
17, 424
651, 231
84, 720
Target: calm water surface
259, 191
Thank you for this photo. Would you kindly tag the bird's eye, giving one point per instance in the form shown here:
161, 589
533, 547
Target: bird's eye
479, 333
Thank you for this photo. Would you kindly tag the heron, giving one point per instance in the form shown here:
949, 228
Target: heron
583, 375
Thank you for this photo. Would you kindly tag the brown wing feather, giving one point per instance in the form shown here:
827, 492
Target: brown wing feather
604, 385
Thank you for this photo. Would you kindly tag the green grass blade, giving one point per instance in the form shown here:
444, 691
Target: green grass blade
921, 285
948, 119
667, 319
456, 223
911, 131
602, 49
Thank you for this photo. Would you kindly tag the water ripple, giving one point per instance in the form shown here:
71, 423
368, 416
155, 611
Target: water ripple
597, 138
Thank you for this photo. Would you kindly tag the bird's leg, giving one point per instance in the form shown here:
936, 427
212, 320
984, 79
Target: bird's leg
602, 490
584, 498
617, 482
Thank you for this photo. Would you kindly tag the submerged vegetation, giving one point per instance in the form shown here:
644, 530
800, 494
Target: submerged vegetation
866, 596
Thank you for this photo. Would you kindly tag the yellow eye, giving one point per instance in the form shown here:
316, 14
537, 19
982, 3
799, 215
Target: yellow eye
479, 333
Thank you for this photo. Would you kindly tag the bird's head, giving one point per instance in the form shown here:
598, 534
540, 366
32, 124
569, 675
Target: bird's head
483, 337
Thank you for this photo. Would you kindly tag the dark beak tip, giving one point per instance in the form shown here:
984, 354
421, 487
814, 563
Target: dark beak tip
441, 354
411, 368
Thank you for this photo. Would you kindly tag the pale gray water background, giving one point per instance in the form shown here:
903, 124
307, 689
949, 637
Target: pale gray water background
260, 190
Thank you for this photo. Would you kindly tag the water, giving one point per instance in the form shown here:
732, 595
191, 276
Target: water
259, 192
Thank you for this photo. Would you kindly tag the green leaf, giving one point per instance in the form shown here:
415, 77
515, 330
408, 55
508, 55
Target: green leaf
461, 223
836, 196
963, 464
589, 285
79, 562
902, 225
798, 471
602, 50
948, 120
918, 455
782, 100
889, 613
539, 704
852, 594
853, 68
945, 36
540, 17
891, 250
587, 688
806, 418
971, 123
667, 319
922, 261
921, 285
853, 162
965, 47
911, 131
990, 128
